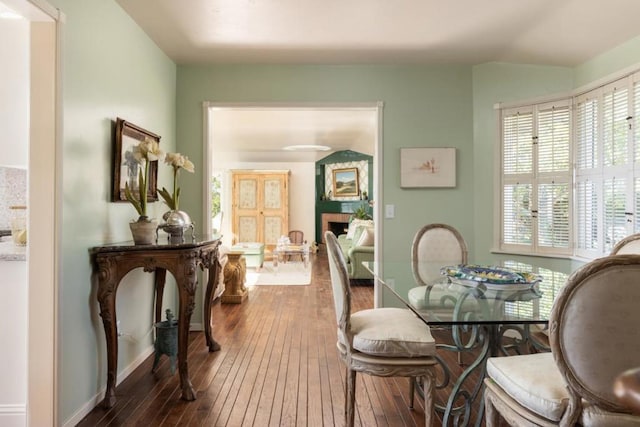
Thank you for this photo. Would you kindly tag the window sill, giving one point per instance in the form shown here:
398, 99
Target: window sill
538, 255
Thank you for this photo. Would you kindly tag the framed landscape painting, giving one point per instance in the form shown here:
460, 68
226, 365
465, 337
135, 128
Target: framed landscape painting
427, 167
345, 182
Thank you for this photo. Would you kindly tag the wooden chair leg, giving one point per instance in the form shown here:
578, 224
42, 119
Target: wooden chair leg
350, 398
428, 399
412, 389
492, 417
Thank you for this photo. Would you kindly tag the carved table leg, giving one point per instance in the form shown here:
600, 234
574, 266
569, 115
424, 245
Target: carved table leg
107, 299
187, 283
161, 275
212, 284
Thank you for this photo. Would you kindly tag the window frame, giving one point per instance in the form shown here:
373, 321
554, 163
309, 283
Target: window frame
600, 177
536, 179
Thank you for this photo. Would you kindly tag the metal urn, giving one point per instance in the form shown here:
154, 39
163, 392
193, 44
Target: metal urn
176, 223
166, 341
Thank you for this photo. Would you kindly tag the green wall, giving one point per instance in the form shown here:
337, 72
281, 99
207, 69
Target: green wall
615, 60
110, 69
424, 106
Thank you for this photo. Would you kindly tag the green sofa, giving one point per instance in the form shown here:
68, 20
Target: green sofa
355, 255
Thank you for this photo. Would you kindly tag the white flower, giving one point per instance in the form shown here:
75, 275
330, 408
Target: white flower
178, 161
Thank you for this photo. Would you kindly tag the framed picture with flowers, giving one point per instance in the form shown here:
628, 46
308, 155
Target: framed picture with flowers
127, 168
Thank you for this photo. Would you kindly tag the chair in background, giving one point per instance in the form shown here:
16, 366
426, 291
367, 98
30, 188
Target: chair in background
434, 246
382, 341
296, 237
628, 245
593, 337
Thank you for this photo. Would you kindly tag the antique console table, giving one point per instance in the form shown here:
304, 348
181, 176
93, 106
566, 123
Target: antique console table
112, 262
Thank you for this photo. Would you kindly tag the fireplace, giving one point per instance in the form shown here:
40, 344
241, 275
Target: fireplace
335, 222
338, 228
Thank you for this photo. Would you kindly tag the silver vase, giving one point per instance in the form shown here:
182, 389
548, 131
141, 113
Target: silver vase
176, 223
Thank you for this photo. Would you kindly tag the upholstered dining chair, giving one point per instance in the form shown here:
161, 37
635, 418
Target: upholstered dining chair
433, 245
628, 245
593, 338
381, 341
296, 237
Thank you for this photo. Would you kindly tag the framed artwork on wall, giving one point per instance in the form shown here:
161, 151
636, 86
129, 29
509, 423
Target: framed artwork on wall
125, 167
345, 182
427, 167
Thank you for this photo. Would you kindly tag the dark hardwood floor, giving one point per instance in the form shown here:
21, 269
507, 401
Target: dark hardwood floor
278, 366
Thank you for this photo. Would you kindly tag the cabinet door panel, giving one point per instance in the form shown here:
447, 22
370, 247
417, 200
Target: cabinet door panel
273, 193
248, 229
248, 194
272, 229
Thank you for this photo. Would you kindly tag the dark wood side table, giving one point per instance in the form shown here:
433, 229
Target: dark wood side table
112, 262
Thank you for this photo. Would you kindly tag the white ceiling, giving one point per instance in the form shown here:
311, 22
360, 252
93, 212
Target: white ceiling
548, 32
551, 32
254, 134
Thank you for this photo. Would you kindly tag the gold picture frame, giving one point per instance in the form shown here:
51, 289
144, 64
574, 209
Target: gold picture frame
345, 182
125, 168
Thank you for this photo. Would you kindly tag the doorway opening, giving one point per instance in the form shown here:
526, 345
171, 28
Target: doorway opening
254, 136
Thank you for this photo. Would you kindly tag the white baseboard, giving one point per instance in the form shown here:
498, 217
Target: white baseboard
97, 399
13, 415
196, 327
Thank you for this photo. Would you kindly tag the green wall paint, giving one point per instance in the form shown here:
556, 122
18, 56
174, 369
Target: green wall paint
619, 58
424, 106
111, 69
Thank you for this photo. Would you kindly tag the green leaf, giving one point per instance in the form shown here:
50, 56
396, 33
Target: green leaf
167, 197
131, 199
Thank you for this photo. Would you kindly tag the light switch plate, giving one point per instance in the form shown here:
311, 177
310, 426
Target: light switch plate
389, 211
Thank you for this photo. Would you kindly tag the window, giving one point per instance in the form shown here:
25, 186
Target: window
570, 182
536, 178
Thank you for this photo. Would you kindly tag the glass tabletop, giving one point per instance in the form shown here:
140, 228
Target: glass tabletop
447, 298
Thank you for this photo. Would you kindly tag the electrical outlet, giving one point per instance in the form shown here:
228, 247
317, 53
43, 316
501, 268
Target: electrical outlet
391, 283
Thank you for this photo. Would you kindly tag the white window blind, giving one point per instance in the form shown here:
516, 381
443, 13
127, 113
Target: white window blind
576, 188
615, 125
517, 136
536, 179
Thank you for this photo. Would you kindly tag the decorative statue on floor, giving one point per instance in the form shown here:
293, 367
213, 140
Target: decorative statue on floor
235, 272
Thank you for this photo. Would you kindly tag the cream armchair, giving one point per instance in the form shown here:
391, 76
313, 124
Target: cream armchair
594, 337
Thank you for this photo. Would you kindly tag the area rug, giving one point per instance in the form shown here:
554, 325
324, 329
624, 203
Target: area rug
290, 273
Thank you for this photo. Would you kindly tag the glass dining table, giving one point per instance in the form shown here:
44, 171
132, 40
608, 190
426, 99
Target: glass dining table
481, 319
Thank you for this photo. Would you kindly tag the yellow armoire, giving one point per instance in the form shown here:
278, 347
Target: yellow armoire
260, 206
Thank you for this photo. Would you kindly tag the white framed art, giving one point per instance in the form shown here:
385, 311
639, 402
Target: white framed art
427, 167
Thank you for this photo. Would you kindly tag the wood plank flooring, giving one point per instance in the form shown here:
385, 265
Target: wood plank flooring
278, 366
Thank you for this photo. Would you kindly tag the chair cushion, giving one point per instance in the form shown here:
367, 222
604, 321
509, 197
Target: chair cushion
390, 332
533, 380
